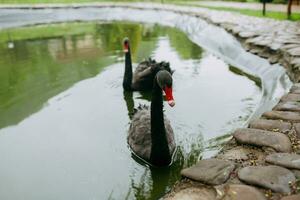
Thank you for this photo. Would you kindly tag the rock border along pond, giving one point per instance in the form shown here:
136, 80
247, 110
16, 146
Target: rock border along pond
261, 161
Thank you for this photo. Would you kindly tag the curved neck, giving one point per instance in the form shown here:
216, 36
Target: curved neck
160, 154
127, 79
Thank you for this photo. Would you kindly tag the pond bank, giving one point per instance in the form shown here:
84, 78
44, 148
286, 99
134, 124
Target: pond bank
239, 159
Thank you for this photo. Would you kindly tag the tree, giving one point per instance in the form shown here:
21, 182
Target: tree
264, 5
289, 8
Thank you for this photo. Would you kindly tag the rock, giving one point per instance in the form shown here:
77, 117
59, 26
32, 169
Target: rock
295, 88
294, 51
193, 193
271, 177
287, 160
244, 192
283, 115
271, 125
210, 171
296, 173
288, 106
245, 34
291, 197
257, 137
297, 128
238, 153
291, 97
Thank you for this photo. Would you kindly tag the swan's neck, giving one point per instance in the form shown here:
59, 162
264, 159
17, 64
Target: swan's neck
127, 79
160, 154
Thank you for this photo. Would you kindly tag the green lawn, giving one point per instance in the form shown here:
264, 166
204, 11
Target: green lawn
256, 13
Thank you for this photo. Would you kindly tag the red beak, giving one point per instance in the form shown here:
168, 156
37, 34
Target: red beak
169, 96
126, 47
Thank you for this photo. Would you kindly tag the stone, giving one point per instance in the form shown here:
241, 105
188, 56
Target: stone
193, 193
244, 192
257, 137
291, 197
238, 153
283, 115
295, 88
297, 128
245, 34
296, 173
288, 106
271, 177
294, 51
291, 97
287, 160
271, 125
210, 171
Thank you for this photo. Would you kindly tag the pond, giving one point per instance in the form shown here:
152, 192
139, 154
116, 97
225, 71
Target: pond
64, 116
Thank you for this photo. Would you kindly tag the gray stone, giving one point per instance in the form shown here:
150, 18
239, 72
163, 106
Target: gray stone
193, 193
288, 106
291, 197
245, 34
257, 137
297, 128
291, 97
244, 192
294, 51
287, 160
271, 177
289, 46
296, 173
210, 171
238, 153
271, 125
283, 115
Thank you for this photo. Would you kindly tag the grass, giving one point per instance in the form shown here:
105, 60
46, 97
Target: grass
255, 13
249, 12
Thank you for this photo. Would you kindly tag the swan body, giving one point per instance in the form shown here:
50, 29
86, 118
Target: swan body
139, 137
150, 134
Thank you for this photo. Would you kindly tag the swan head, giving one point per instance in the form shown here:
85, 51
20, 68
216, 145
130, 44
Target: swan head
126, 44
165, 82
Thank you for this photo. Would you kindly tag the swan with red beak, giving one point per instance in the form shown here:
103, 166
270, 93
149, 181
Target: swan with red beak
150, 135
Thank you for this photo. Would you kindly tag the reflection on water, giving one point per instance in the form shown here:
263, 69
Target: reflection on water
64, 115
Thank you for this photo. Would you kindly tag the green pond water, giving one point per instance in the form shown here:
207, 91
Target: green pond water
64, 116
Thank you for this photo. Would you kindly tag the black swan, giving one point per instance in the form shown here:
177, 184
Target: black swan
151, 136
142, 78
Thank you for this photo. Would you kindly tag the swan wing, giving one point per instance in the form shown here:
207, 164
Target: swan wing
139, 134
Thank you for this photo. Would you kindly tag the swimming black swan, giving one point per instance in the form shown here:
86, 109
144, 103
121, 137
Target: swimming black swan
150, 134
142, 78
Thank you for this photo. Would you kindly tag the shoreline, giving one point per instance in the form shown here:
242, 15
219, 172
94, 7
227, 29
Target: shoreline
253, 151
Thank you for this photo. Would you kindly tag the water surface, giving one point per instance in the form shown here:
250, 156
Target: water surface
64, 116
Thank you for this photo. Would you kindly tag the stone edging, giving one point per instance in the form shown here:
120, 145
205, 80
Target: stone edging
267, 154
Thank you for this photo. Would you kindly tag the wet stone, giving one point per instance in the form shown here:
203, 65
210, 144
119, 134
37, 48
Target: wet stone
291, 97
288, 106
285, 160
291, 197
194, 193
296, 87
210, 171
271, 177
283, 115
257, 137
271, 125
244, 192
